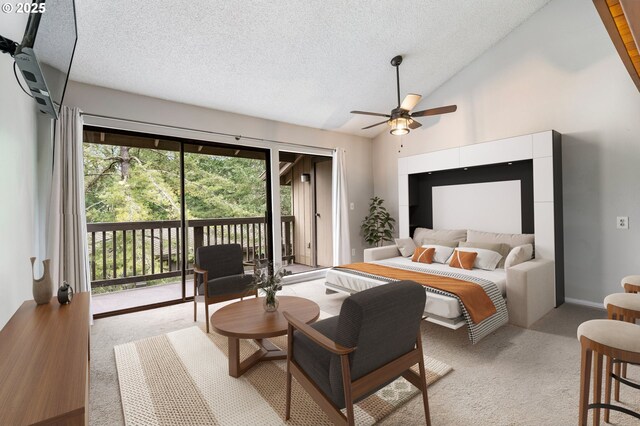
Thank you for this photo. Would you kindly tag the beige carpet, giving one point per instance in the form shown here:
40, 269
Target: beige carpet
181, 378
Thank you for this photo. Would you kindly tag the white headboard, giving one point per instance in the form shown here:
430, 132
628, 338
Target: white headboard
487, 206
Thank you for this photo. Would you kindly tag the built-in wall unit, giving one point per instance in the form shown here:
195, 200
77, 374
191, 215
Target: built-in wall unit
511, 185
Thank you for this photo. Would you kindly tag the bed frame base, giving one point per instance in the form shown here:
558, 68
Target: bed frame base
452, 323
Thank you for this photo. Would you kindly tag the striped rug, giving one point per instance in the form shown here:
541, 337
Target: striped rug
181, 378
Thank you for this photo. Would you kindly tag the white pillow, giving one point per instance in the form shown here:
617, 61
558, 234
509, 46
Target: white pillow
518, 255
439, 234
442, 252
406, 246
513, 240
486, 259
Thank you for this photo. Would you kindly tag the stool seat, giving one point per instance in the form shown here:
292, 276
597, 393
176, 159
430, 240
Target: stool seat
630, 279
629, 301
614, 334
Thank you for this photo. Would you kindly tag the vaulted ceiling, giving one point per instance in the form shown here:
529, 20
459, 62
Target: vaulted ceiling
302, 62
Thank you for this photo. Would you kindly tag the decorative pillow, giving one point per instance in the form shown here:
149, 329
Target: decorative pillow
503, 249
429, 241
439, 234
463, 259
442, 253
406, 246
513, 240
519, 255
423, 255
486, 259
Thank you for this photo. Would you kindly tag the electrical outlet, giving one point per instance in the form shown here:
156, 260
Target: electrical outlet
353, 252
622, 222
352, 206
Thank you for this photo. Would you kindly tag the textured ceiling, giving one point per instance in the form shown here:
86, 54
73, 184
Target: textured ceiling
303, 62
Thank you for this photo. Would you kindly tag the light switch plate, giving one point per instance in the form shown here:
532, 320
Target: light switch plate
352, 206
622, 222
353, 252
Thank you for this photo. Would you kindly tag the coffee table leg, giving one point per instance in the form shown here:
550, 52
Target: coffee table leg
234, 357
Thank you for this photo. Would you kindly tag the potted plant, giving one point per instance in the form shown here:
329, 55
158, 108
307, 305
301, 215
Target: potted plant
268, 281
378, 225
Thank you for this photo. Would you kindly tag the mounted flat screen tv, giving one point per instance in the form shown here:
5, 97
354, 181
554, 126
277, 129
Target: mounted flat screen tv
44, 57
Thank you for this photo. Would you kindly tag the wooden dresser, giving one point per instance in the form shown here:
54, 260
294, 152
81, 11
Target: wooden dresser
44, 364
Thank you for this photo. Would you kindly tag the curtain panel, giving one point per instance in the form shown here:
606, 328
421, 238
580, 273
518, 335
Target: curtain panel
67, 223
341, 240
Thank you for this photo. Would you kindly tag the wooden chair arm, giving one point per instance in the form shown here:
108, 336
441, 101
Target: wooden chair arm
317, 337
198, 270
205, 280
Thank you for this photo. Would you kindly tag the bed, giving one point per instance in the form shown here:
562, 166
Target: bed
526, 290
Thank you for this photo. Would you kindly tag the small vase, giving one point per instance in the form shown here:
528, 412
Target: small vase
42, 287
270, 303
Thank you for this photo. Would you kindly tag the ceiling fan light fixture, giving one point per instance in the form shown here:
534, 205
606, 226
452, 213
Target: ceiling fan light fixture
400, 126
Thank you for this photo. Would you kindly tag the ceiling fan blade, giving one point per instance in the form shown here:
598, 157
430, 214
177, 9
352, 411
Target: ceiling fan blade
374, 125
435, 111
410, 101
414, 125
377, 114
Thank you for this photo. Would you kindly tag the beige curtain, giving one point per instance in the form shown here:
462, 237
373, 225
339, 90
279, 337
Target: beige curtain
341, 240
67, 222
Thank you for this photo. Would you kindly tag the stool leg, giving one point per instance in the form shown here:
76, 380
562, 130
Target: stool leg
597, 388
585, 377
616, 385
607, 388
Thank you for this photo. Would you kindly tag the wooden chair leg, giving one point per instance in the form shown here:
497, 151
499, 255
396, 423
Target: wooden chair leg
287, 414
346, 383
616, 385
585, 377
607, 387
597, 388
423, 381
195, 303
206, 314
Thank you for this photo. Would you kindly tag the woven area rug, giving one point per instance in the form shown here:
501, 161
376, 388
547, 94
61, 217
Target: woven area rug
182, 378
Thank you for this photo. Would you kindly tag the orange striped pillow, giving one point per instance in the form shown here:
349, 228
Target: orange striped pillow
463, 259
423, 255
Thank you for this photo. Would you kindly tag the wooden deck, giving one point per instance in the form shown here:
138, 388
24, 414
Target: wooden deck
107, 302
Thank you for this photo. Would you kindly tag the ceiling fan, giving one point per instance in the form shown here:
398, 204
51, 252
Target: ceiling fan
401, 118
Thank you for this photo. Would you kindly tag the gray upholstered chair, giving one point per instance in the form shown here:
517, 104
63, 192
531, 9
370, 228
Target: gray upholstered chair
374, 340
221, 268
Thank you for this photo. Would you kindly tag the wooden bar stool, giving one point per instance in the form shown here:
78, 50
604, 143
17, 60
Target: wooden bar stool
631, 283
621, 307
617, 340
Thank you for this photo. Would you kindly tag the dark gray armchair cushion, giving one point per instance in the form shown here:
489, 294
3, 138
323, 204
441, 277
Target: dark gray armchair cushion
225, 269
227, 285
381, 322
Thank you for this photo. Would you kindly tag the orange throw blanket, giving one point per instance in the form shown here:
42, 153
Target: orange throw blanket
472, 295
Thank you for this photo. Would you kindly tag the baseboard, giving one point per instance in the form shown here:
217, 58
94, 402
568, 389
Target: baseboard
584, 303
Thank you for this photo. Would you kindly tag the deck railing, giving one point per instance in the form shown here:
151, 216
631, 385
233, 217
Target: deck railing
136, 252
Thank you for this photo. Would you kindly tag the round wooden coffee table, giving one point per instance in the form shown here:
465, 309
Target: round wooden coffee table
247, 319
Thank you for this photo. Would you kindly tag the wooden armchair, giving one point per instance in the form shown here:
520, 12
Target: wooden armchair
218, 276
374, 340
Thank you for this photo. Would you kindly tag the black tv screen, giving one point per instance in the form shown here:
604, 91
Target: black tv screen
46, 52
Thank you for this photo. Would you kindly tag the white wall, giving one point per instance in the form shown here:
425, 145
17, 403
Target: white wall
558, 70
102, 101
18, 180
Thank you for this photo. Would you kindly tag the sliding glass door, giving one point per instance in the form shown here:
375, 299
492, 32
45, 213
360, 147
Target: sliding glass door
226, 200
151, 201
133, 207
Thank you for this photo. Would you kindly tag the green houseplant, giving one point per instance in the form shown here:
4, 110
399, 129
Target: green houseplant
377, 227
268, 281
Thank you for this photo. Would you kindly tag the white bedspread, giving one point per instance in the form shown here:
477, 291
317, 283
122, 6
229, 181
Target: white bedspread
439, 305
